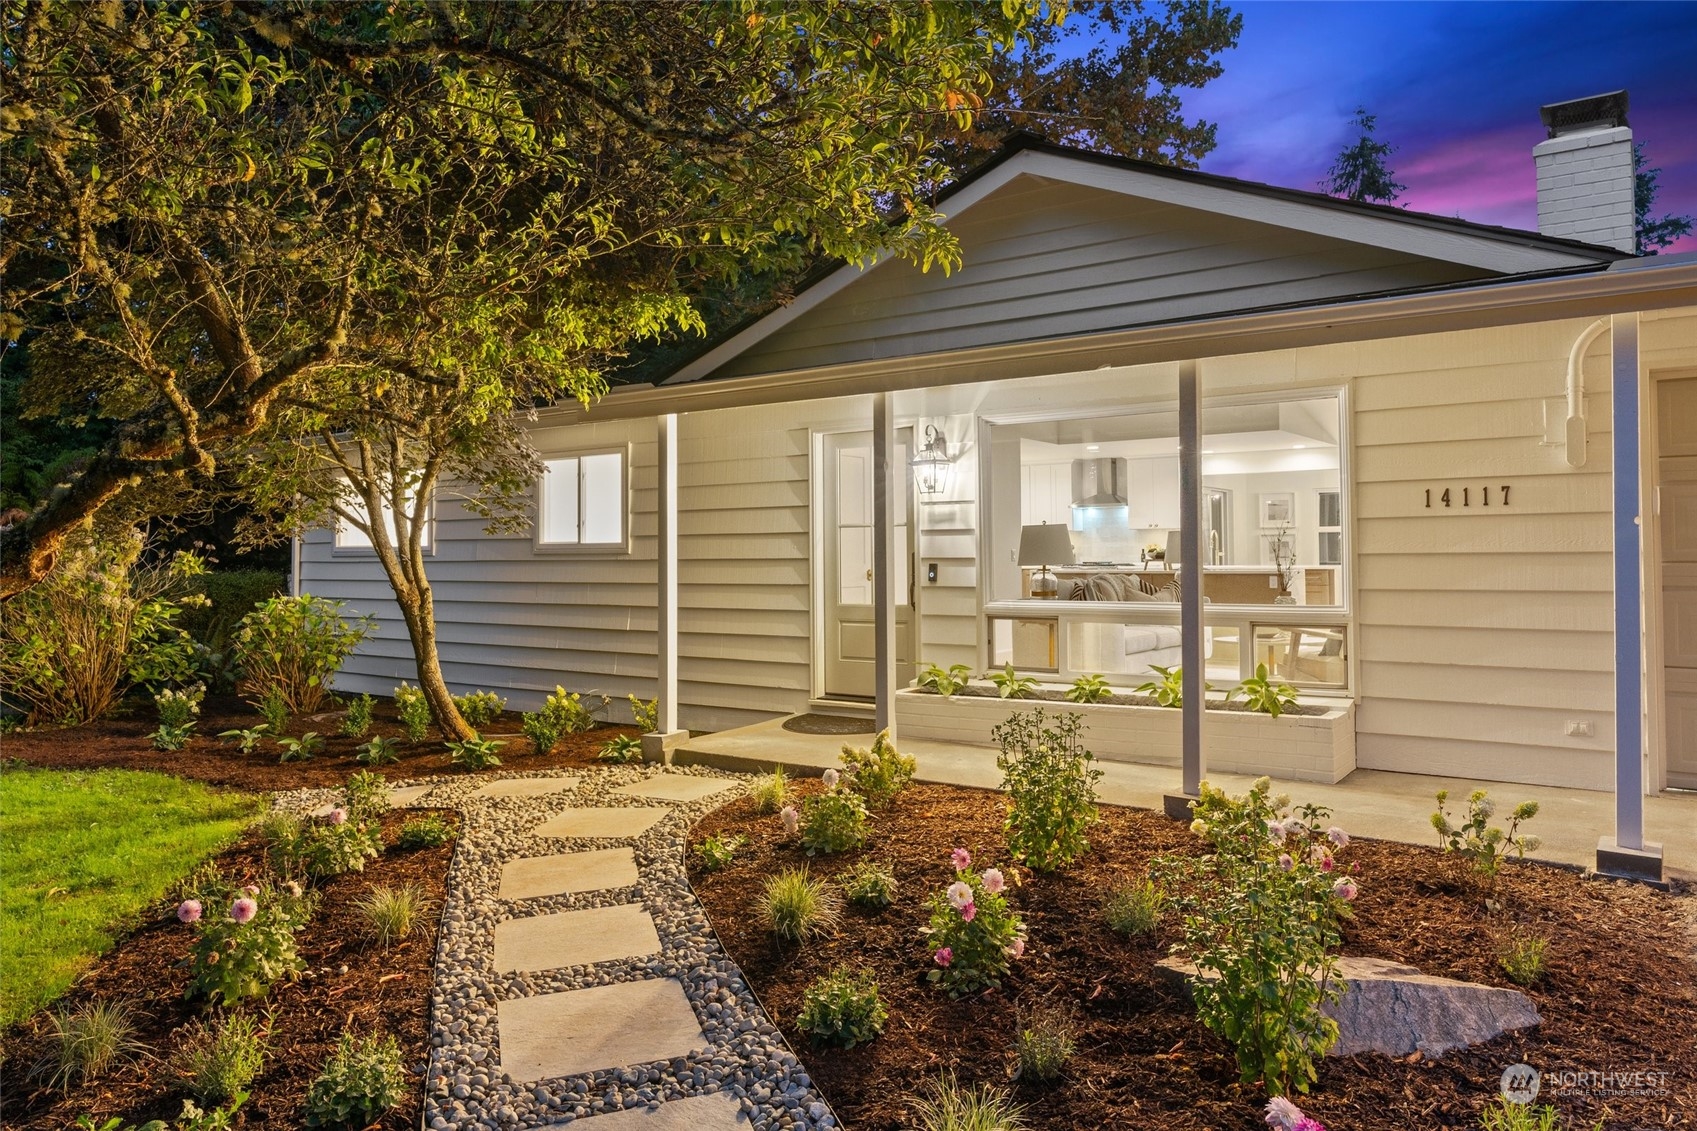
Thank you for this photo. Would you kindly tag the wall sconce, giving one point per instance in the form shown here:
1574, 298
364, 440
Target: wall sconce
931, 462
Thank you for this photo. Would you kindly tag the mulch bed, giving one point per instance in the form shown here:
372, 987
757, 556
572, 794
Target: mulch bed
351, 985
121, 742
1620, 994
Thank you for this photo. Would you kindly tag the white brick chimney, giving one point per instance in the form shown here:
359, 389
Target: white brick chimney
1585, 176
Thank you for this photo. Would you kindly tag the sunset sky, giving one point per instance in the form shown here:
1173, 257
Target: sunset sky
1456, 87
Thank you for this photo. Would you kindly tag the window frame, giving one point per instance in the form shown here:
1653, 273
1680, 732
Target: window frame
370, 549
1321, 529
618, 548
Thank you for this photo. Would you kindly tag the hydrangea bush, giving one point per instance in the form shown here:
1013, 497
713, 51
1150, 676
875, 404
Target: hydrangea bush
880, 773
1261, 916
973, 935
833, 821
178, 713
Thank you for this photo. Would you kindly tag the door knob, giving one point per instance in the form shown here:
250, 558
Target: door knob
869, 575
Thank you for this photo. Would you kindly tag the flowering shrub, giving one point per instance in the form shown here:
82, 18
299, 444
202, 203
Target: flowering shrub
358, 719
646, 715
562, 713
880, 773
1482, 844
973, 934
1048, 775
1260, 920
330, 847
833, 821
414, 711
243, 951
296, 644
178, 711
842, 1008
480, 708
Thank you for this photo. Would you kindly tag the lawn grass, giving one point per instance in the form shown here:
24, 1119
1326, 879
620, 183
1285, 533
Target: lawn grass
81, 853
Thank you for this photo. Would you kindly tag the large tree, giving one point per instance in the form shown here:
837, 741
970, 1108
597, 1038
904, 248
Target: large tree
1360, 171
222, 216
1109, 77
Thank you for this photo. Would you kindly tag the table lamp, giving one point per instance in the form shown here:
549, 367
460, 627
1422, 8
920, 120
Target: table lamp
1044, 545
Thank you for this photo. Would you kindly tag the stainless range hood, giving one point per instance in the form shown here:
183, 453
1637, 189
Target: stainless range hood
1099, 482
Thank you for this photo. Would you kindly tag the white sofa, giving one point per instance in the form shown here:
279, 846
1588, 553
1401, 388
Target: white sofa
1126, 649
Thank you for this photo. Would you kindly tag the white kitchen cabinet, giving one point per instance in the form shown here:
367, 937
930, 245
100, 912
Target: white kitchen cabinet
1152, 491
1045, 493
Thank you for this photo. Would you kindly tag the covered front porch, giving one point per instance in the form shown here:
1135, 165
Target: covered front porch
1393, 806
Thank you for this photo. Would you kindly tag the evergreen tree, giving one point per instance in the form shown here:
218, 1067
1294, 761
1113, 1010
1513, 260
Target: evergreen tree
1653, 235
1360, 172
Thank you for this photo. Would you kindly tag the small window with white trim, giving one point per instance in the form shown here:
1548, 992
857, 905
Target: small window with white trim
582, 502
351, 537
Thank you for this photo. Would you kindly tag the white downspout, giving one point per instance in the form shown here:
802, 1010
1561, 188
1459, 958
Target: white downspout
1576, 392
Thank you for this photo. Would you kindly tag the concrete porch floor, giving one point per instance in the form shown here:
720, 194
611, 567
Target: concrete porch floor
1376, 803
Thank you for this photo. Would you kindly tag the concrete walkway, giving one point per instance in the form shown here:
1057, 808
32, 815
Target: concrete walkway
1374, 803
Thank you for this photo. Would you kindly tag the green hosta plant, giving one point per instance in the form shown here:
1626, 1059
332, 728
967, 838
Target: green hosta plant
1482, 844
1265, 695
1011, 685
246, 741
242, 950
718, 851
1168, 690
869, 884
178, 712
300, 749
877, 774
414, 711
621, 748
833, 821
480, 708
295, 644
475, 753
842, 1008
378, 751
945, 681
646, 716
1089, 689
973, 935
1260, 915
358, 719
362, 1080
1051, 784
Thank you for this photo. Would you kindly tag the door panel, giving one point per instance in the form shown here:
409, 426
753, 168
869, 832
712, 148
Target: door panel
1676, 496
850, 630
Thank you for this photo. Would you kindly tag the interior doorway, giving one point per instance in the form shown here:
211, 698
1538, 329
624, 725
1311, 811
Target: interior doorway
850, 636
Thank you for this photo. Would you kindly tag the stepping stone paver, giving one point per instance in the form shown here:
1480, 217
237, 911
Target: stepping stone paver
526, 787
401, 798
601, 822
718, 1112
675, 787
574, 938
596, 870
601, 1027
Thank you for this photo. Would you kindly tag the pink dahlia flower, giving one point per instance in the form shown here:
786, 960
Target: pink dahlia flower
960, 894
1345, 890
791, 819
994, 882
1283, 1114
1285, 862
961, 858
338, 816
243, 910
968, 912
1017, 950
944, 956
831, 777
188, 911
1338, 837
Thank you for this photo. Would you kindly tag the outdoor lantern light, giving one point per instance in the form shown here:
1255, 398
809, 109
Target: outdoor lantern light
931, 462
1044, 546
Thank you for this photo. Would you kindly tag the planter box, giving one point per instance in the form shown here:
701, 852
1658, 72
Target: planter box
1293, 747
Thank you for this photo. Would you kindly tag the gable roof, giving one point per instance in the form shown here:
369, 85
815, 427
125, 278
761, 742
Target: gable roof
1059, 241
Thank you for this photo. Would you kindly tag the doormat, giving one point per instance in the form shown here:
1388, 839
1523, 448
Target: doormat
829, 724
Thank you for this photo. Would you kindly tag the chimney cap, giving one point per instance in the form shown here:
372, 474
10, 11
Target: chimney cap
1582, 115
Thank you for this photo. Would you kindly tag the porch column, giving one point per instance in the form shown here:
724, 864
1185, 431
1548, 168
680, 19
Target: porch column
1626, 853
658, 746
1190, 587
883, 566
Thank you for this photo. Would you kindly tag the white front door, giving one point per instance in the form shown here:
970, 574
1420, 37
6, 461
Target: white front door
1676, 485
850, 635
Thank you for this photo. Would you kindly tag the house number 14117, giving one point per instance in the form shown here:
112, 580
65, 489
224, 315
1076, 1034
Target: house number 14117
1450, 497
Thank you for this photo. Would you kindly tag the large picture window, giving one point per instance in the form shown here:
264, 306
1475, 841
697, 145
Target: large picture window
351, 537
582, 502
